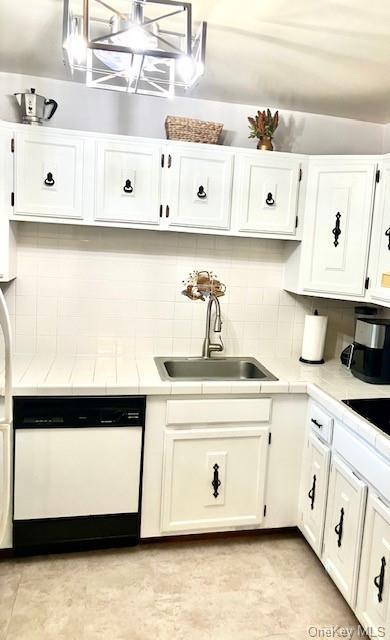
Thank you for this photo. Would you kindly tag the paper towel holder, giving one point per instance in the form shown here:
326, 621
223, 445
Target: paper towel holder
304, 360
322, 361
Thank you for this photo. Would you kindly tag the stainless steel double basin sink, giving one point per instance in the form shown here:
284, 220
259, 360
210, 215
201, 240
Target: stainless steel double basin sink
215, 368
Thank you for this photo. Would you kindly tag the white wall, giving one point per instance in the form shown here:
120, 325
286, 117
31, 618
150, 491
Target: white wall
386, 138
85, 290
111, 112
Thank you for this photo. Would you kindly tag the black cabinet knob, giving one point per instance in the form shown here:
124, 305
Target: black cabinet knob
201, 193
269, 199
49, 180
128, 188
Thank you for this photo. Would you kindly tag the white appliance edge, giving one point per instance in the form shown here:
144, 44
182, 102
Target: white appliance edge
5, 432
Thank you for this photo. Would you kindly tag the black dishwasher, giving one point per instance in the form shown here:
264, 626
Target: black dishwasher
77, 472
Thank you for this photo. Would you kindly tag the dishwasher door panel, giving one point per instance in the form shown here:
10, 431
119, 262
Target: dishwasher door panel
76, 471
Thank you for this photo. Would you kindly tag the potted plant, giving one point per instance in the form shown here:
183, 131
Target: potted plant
263, 126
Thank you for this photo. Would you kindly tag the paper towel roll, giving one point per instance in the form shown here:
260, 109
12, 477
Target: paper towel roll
313, 343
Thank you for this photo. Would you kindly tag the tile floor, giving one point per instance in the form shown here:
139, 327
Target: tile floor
248, 588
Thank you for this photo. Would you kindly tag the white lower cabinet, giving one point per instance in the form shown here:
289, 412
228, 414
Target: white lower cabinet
213, 477
343, 528
373, 602
314, 490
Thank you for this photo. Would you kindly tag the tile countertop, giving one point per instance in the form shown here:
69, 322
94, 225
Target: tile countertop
84, 375
104, 375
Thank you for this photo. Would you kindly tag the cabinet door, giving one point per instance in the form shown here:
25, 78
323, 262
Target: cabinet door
314, 489
7, 236
337, 227
380, 245
199, 188
213, 478
48, 175
373, 602
128, 182
268, 192
343, 528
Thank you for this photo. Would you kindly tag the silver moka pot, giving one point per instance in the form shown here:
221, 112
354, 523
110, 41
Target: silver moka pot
35, 108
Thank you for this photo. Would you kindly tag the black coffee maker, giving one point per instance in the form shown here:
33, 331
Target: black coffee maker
368, 357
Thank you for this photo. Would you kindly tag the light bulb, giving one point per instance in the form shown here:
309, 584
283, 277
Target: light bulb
76, 44
186, 68
136, 38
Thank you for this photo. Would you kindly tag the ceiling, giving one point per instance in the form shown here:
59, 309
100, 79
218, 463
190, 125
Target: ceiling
321, 56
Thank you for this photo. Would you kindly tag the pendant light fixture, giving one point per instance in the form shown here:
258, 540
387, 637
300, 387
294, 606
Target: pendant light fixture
135, 46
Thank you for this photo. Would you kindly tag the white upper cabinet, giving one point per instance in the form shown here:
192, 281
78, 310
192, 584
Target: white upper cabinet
7, 237
380, 243
199, 186
373, 603
267, 192
128, 182
48, 175
337, 225
343, 528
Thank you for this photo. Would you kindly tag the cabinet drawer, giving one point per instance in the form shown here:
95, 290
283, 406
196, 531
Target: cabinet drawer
364, 459
218, 411
213, 478
320, 422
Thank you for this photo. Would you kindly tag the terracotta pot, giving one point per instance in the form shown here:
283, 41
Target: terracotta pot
265, 144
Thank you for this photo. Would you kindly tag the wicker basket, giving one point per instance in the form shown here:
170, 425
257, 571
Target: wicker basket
190, 130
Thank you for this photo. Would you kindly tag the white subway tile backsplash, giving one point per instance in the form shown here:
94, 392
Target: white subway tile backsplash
88, 291
25, 305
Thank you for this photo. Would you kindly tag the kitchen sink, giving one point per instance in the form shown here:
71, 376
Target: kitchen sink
212, 369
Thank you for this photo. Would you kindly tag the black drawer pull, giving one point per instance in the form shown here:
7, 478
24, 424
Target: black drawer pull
269, 199
339, 528
216, 483
128, 188
379, 581
317, 423
312, 493
387, 234
337, 230
201, 193
49, 180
